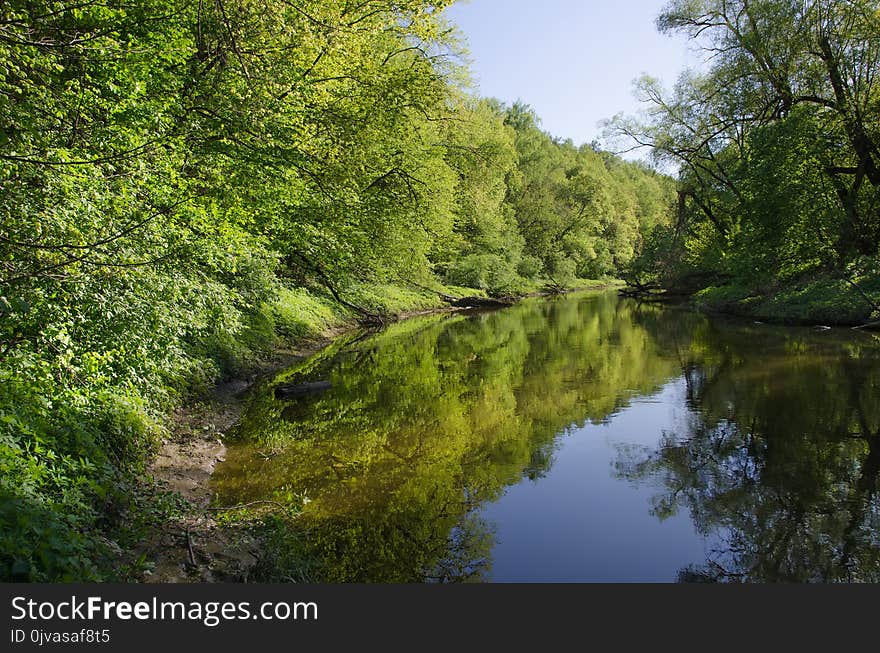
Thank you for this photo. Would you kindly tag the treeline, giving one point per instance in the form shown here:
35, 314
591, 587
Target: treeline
778, 143
184, 182
546, 211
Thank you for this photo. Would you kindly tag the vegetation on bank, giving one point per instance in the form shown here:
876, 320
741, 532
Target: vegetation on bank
183, 184
824, 299
777, 141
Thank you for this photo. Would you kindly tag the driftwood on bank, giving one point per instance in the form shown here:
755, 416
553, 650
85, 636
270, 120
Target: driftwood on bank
296, 390
645, 293
480, 302
636, 288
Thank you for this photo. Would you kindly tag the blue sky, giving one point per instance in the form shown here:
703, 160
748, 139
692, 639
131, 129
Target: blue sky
573, 61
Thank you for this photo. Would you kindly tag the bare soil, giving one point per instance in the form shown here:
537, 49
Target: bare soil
196, 548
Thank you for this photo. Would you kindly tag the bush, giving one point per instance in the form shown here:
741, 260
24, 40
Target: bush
529, 267
489, 272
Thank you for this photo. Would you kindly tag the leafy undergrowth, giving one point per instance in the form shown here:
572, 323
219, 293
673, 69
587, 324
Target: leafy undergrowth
820, 299
388, 299
598, 284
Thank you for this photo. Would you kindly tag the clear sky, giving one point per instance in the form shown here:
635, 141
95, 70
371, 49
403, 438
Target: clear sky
573, 61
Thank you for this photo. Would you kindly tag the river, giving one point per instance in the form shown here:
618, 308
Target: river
576, 439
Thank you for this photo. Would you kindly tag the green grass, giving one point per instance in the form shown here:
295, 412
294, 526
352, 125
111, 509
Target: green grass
387, 299
822, 299
597, 284
301, 314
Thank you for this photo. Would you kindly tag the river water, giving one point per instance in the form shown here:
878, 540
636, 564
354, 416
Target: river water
576, 439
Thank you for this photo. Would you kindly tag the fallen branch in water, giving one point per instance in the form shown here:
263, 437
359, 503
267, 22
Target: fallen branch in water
467, 302
869, 325
189, 546
483, 302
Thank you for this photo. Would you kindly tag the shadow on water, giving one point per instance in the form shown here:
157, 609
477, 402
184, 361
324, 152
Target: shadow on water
774, 452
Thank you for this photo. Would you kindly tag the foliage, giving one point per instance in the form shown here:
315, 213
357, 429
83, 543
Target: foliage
183, 184
776, 143
581, 212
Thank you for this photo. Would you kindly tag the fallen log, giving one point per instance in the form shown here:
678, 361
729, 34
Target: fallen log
868, 327
294, 391
482, 302
633, 293
636, 289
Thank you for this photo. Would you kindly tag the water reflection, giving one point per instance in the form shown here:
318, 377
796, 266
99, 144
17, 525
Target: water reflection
442, 442
780, 455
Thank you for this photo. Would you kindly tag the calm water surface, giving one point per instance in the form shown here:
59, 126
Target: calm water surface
584, 438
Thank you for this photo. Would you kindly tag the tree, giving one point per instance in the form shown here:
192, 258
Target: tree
781, 71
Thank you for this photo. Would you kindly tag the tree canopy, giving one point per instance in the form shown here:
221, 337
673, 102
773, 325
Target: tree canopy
777, 144
185, 182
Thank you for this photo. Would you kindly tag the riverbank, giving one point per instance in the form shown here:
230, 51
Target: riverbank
191, 545
196, 544
817, 300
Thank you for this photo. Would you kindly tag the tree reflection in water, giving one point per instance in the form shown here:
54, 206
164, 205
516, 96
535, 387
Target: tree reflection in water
425, 423
776, 454
779, 455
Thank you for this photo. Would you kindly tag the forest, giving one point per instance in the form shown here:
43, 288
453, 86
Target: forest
777, 144
186, 186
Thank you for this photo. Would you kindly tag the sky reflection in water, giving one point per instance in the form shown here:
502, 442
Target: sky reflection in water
583, 438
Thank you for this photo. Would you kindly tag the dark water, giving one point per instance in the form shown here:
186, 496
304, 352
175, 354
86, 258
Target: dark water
585, 438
